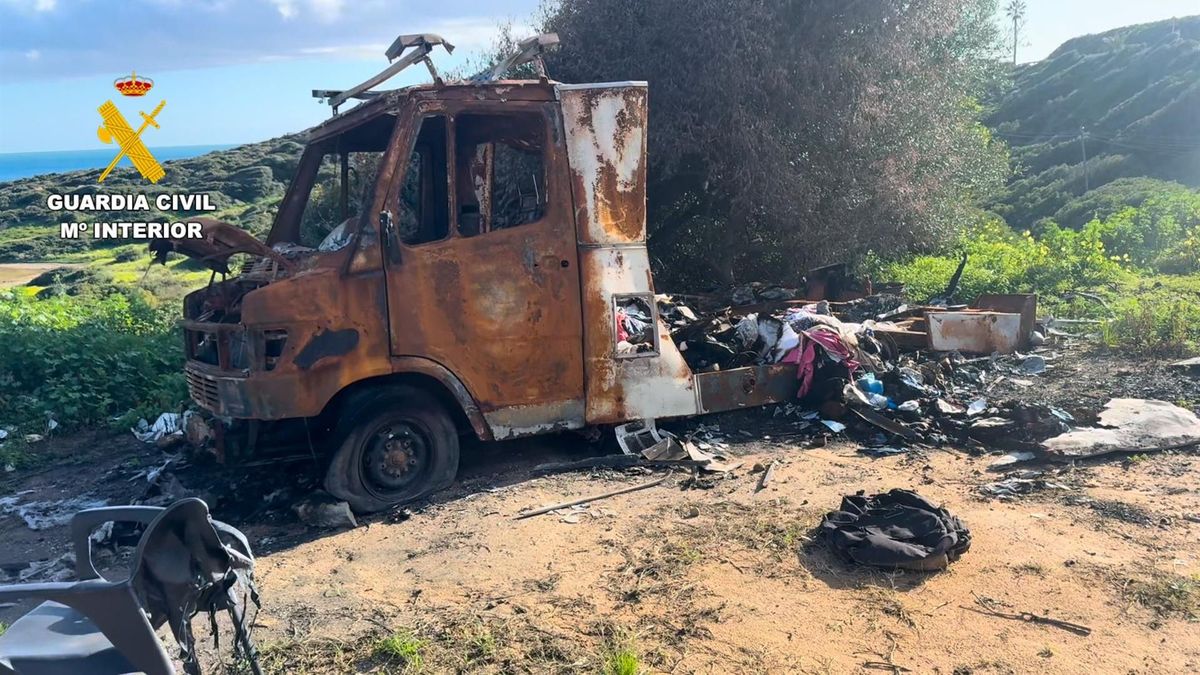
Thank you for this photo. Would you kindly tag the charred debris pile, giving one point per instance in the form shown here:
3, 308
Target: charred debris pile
895, 377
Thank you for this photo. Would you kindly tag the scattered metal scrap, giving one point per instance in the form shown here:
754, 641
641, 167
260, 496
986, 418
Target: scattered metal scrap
989, 608
585, 500
1130, 425
1020, 483
766, 477
323, 511
1189, 365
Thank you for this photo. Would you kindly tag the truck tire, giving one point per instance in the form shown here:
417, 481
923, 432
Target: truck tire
395, 444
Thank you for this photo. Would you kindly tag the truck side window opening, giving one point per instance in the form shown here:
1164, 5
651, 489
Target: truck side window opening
499, 171
636, 325
422, 214
340, 192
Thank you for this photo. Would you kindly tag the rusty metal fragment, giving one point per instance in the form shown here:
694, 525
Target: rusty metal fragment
220, 240
974, 332
1024, 304
747, 387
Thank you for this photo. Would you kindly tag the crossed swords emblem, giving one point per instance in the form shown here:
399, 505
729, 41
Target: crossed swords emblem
116, 128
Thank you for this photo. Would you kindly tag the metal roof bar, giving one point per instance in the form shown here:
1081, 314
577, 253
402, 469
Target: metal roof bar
330, 93
422, 45
529, 49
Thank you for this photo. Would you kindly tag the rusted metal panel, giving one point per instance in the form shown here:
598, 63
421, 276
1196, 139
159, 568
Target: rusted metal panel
904, 338
643, 386
974, 332
605, 127
747, 387
1024, 304
606, 145
527, 420
501, 310
336, 335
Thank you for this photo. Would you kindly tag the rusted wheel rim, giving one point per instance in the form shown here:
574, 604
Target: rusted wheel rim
397, 457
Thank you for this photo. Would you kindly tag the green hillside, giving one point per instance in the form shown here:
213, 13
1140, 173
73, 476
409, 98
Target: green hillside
1134, 92
245, 183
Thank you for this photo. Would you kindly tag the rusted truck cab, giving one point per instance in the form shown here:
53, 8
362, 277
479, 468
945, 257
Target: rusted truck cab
451, 258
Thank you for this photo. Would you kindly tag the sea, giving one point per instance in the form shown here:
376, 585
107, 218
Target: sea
14, 165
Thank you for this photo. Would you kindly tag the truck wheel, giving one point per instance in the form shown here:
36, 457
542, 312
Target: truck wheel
396, 444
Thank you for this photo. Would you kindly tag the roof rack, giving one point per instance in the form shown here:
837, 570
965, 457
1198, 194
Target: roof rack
528, 50
423, 44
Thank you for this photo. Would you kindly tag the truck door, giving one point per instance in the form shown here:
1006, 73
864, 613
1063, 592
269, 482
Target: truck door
484, 276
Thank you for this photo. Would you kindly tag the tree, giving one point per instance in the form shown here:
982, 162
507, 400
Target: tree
789, 133
1015, 11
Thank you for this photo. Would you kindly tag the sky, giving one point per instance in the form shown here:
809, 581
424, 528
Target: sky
236, 71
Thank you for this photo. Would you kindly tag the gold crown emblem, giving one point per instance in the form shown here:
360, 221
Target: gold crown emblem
133, 85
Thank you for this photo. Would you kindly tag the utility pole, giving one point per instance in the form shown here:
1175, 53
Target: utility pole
1015, 10
1083, 146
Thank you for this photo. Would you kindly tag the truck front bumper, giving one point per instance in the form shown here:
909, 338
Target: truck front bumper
240, 395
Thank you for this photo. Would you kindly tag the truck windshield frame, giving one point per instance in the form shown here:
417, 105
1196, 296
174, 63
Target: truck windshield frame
374, 135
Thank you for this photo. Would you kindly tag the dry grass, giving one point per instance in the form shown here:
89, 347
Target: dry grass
447, 642
1030, 568
1167, 595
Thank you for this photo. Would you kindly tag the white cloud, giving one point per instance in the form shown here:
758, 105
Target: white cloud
66, 44
31, 5
358, 51
287, 8
327, 10
323, 10
475, 33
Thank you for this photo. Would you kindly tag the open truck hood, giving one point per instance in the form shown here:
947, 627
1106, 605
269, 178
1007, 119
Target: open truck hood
218, 242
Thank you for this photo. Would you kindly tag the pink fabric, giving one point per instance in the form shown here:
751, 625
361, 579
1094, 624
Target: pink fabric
805, 356
832, 342
622, 334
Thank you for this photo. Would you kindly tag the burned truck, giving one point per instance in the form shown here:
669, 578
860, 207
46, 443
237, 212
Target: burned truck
459, 257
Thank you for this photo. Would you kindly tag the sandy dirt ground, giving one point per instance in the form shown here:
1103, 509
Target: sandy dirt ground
729, 580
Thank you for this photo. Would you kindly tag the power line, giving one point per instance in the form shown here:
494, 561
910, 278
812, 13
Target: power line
1149, 143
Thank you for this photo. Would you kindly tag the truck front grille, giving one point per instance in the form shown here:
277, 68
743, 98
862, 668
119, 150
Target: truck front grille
202, 389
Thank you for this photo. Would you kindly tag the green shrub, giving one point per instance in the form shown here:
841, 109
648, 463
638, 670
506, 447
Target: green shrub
129, 254
621, 659
1002, 261
1164, 229
85, 359
1155, 325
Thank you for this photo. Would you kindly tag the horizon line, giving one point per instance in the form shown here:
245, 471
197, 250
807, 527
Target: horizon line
150, 147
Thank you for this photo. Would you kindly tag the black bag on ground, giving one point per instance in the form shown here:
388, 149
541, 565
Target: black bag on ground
895, 529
